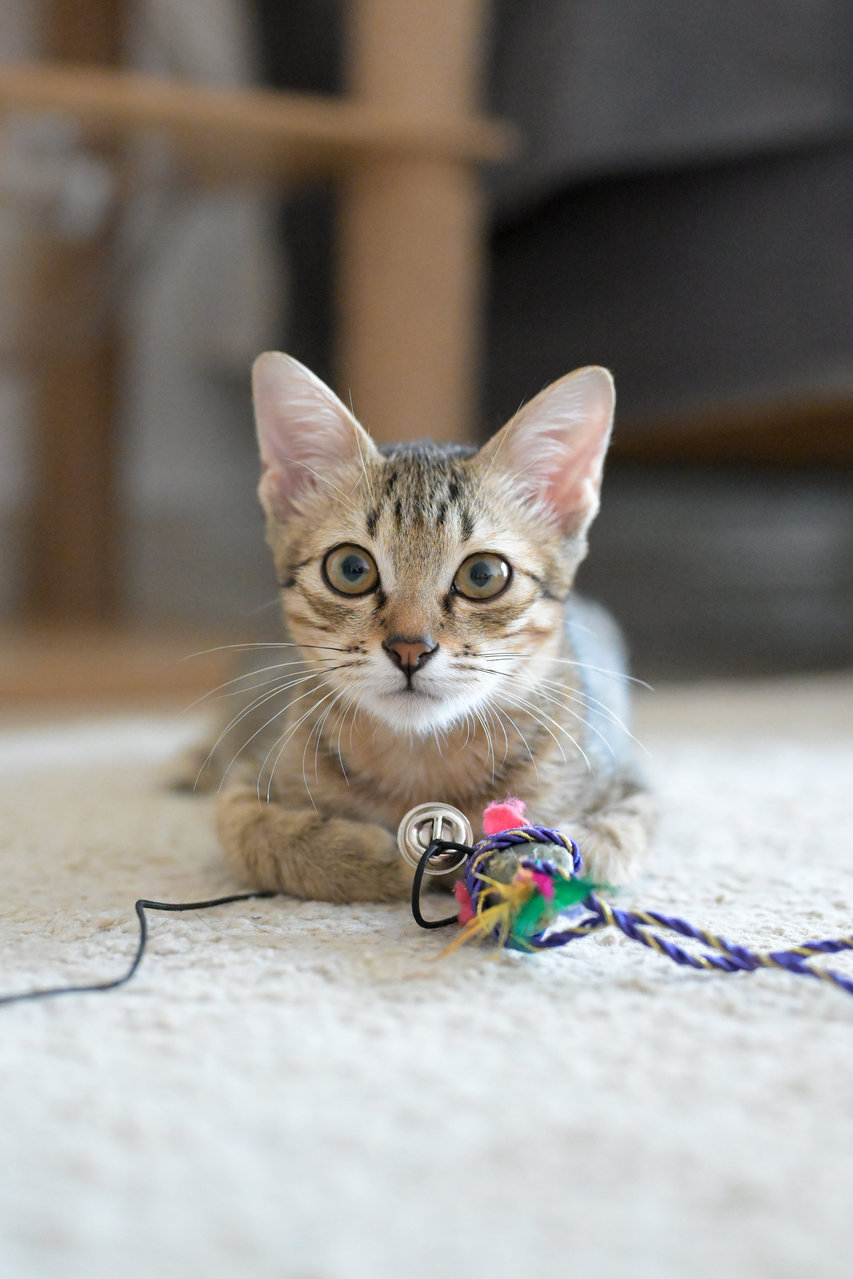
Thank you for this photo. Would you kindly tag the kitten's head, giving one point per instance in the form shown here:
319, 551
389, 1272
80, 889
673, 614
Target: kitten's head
425, 582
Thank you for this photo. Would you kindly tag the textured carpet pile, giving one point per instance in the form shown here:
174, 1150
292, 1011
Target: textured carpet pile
302, 1091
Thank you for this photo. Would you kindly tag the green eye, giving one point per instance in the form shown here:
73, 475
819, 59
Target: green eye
350, 570
482, 577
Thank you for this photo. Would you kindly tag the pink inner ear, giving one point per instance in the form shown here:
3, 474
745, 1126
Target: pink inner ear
303, 429
573, 487
556, 445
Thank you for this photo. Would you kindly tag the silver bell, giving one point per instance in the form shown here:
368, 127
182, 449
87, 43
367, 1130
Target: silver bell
426, 823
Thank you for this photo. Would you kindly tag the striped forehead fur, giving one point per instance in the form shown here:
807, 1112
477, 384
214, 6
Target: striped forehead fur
422, 483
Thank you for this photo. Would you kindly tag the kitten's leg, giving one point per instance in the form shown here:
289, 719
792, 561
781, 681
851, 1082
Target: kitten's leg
614, 839
306, 855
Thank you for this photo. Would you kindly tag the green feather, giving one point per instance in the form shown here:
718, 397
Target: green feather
538, 911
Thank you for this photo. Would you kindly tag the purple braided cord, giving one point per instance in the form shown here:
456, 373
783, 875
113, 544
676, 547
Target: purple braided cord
725, 956
529, 835
733, 958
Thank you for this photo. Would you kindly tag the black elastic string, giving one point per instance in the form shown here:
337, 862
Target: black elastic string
143, 904
437, 846
140, 907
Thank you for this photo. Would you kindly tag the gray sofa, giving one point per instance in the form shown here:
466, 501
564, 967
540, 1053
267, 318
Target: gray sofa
683, 207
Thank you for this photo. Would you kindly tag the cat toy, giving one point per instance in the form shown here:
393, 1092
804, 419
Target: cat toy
521, 888
534, 901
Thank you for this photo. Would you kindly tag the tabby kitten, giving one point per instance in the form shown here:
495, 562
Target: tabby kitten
436, 651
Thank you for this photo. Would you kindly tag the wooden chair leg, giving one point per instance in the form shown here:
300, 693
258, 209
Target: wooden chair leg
409, 281
73, 535
410, 230
74, 529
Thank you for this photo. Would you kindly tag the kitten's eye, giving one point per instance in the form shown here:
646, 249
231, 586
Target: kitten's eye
350, 570
482, 577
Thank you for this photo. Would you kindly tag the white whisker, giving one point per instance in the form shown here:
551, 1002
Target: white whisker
503, 440
284, 739
222, 648
504, 712
584, 699
591, 703
253, 705
325, 480
282, 711
493, 710
567, 661
364, 471
556, 699
488, 735
351, 705
535, 712
318, 729
247, 688
539, 716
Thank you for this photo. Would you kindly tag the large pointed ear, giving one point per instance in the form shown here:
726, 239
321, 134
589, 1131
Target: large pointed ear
303, 432
552, 451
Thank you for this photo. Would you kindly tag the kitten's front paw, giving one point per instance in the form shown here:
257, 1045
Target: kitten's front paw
307, 855
352, 861
613, 846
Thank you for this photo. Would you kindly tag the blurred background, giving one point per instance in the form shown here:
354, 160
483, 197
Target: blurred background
440, 206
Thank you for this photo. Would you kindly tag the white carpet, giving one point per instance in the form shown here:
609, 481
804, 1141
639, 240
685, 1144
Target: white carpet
296, 1090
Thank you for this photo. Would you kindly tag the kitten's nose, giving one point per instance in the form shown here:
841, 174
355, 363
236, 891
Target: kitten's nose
410, 654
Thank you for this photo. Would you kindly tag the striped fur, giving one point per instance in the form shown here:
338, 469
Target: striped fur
342, 741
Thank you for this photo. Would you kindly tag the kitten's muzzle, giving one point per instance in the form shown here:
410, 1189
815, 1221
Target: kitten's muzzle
410, 654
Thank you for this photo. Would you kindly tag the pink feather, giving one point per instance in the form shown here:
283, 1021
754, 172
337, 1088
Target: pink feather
506, 816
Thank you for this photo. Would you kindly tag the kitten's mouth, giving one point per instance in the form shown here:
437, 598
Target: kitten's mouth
409, 708
409, 691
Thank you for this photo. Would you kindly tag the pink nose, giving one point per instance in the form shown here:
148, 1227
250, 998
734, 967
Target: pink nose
410, 654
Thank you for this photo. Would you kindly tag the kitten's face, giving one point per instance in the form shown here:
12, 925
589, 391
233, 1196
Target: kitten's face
426, 583
424, 554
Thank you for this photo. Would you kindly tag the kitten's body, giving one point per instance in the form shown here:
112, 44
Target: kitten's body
412, 689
